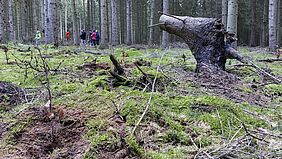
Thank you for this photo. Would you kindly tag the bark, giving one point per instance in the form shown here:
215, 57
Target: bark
224, 12
42, 15
115, 38
278, 21
264, 25
35, 17
272, 24
104, 28
232, 16
165, 37
206, 38
75, 27
88, 24
129, 22
1, 21
253, 5
11, 23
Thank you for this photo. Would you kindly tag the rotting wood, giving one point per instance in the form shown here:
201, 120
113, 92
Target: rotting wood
210, 44
116, 64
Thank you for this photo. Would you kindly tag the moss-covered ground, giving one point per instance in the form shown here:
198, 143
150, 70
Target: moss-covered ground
189, 115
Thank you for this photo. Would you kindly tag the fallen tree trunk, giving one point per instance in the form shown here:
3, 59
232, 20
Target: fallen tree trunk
270, 60
210, 44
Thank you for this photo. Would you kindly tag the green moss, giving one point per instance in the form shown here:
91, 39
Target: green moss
100, 82
246, 89
134, 148
170, 153
273, 89
176, 137
69, 88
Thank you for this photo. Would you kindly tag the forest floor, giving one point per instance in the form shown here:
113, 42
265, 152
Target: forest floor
235, 114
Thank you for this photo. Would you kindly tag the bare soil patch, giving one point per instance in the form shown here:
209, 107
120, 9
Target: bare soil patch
59, 137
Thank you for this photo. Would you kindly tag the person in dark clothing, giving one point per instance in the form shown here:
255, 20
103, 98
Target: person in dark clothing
97, 38
91, 42
83, 37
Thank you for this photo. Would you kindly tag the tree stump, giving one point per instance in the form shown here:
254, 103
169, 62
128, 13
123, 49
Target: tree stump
210, 44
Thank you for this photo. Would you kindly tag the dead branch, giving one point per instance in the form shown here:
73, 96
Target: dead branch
27, 50
144, 74
276, 80
269, 60
116, 64
118, 77
156, 25
151, 97
5, 49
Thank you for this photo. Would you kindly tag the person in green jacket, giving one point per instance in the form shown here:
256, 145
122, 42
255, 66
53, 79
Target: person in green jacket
37, 37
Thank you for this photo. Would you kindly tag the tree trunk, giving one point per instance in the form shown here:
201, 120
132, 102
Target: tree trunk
129, 22
115, 38
1, 22
278, 21
11, 22
75, 27
66, 16
232, 18
165, 37
264, 25
104, 28
224, 12
206, 38
253, 5
272, 24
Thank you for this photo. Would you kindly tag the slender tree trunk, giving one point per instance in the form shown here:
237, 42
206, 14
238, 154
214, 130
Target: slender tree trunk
104, 28
278, 21
35, 16
232, 18
88, 24
11, 22
42, 16
75, 27
273, 24
152, 9
19, 33
1, 21
165, 37
253, 5
66, 16
264, 24
129, 22
122, 20
51, 22
224, 12
84, 14
115, 34
109, 18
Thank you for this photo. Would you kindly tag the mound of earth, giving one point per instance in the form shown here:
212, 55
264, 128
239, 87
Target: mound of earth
220, 83
10, 94
59, 137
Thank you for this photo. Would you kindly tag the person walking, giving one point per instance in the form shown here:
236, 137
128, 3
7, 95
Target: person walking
82, 38
37, 37
68, 36
93, 38
97, 38
90, 38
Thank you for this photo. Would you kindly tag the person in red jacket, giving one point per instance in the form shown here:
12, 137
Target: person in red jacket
93, 37
68, 35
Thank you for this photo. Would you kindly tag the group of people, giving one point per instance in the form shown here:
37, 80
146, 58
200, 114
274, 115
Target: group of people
94, 37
